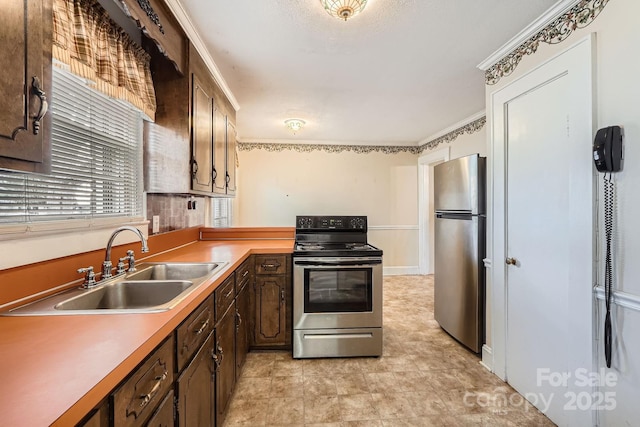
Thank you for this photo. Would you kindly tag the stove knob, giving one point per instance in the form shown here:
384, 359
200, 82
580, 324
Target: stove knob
357, 223
305, 222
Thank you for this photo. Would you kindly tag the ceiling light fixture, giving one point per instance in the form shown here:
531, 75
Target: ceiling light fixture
294, 125
343, 9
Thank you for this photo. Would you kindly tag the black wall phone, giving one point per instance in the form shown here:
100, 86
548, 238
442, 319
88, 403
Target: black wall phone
607, 157
607, 149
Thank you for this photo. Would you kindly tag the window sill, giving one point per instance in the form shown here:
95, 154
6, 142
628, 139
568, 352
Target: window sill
34, 242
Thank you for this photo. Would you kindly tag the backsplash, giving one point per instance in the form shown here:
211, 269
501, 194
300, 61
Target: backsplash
174, 212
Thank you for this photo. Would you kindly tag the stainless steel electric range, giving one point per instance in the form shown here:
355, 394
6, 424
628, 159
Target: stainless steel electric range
337, 288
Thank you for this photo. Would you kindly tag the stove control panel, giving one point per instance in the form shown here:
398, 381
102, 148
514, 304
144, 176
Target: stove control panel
332, 223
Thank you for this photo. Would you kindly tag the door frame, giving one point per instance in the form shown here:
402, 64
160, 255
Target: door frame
426, 163
582, 346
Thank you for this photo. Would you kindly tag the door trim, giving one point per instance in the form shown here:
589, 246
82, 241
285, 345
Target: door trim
425, 215
497, 208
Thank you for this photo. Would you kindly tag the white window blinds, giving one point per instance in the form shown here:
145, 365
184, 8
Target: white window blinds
221, 208
96, 160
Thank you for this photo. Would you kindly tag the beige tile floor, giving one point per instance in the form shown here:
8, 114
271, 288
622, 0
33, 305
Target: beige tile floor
424, 378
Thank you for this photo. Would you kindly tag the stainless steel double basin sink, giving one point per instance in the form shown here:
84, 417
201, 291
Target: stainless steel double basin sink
154, 287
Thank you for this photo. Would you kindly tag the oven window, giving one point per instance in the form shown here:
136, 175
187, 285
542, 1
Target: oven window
338, 290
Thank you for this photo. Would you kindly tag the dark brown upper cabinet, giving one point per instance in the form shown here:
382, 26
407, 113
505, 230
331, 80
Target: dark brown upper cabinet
202, 171
25, 85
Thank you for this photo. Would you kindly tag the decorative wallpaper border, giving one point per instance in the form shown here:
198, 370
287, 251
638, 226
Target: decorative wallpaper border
579, 16
469, 128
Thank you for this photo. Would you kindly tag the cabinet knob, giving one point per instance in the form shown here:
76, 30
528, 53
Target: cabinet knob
511, 261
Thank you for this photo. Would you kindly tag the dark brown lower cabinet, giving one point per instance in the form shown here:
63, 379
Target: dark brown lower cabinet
271, 313
163, 417
243, 315
195, 389
225, 352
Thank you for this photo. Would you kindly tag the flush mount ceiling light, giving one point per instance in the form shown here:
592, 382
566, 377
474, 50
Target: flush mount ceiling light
343, 9
294, 125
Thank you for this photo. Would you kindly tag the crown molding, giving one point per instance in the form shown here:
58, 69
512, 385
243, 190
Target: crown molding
175, 6
529, 31
559, 26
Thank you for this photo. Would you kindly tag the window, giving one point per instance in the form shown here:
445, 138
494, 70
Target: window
96, 160
222, 212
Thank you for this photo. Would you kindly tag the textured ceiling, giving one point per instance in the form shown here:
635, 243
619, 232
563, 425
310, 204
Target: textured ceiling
399, 72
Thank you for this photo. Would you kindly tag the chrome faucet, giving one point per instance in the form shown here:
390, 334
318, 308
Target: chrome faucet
106, 265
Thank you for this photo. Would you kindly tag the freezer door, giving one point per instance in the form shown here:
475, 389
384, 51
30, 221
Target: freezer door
459, 185
459, 278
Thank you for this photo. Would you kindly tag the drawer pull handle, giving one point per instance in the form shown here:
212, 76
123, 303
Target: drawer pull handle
245, 274
203, 327
146, 398
229, 293
268, 266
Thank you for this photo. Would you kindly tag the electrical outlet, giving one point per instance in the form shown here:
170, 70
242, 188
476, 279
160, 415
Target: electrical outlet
156, 224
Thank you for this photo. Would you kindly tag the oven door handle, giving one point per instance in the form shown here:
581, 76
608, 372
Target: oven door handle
338, 263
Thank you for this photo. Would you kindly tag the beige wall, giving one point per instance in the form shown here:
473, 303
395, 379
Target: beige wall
274, 187
617, 103
469, 144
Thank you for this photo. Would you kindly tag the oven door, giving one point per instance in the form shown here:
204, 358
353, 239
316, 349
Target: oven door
335, 293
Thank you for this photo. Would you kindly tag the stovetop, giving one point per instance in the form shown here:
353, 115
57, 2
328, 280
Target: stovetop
333, 236
324, 249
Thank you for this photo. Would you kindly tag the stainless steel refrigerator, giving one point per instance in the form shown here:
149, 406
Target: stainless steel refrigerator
460, 227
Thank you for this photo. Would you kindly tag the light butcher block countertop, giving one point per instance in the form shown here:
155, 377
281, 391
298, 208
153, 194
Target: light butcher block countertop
56, 369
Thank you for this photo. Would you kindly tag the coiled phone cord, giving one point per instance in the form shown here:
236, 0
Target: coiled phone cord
608, 273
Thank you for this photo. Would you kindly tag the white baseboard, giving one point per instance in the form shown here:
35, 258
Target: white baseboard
410, 270
487, 357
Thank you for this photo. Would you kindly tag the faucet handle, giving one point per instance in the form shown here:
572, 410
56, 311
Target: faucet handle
132, 261
89, 277
106, 270
120, 267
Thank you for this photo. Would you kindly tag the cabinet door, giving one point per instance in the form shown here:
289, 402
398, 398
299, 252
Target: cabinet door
163, 417
225, 375
196, 388
242, 327
270, 306
201, 137
25, 85
219, 152
231, 158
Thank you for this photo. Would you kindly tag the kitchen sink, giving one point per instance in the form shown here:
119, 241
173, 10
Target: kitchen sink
154, 287
172, 271
127, 295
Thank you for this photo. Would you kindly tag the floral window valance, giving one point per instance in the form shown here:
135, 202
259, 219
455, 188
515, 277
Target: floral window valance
96, 48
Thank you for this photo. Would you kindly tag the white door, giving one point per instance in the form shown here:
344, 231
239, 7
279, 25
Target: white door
546, 254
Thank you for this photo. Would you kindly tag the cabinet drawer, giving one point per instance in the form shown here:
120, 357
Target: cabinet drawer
193, 331
225, 294
271, 264
244, 274
138, 397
